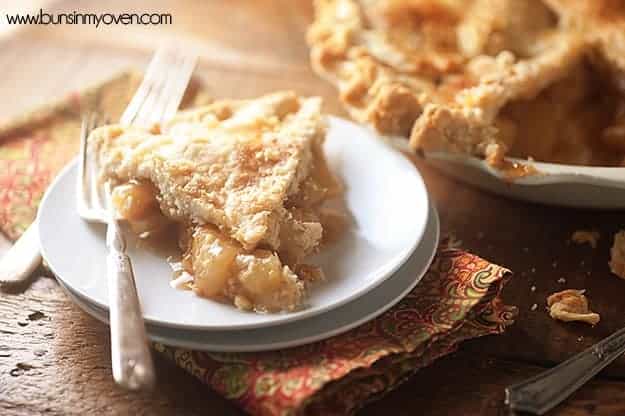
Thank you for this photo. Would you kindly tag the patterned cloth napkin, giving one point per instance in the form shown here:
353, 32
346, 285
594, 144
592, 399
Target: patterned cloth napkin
456, 300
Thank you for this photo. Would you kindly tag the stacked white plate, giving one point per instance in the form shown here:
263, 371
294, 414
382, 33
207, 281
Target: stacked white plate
379, 260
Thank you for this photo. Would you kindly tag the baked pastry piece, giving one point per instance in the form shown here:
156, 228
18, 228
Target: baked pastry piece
244, 180
571, 305
590, 237
488, 78
617, 255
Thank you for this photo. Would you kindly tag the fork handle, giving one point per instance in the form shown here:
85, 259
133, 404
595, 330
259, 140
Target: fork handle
546, 390
22, 258
130, 354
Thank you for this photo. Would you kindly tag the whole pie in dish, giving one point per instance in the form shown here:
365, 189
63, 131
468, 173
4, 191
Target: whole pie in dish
245, 184
532, 79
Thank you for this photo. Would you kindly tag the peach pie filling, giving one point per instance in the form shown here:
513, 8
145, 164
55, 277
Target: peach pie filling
220, 268
580, 120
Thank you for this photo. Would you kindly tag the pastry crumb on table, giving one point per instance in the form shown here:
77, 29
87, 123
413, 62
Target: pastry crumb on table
617, 255
586, 237
571, 305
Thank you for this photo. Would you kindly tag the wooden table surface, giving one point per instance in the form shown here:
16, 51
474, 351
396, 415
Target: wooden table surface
54, 359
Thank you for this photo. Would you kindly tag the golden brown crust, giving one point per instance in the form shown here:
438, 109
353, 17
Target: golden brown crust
233, 163
586, 237
378, 85
437, 131
390, 58
403, 66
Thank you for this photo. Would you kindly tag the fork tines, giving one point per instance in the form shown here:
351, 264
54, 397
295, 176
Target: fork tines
162, 88
90, 200
156, 99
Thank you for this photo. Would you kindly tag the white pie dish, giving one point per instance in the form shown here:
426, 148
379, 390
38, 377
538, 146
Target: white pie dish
554, 184
384, 193
315, 328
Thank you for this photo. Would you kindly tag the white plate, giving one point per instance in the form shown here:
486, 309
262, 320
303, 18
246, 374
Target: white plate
384, 193
308, 330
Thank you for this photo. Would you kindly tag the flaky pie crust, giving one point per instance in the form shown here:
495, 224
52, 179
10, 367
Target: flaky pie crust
445, 72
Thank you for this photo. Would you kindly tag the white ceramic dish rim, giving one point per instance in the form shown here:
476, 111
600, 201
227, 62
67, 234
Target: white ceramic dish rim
547, 173
337, 318
384, 273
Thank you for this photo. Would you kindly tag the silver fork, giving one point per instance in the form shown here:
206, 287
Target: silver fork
157, 99
23, 257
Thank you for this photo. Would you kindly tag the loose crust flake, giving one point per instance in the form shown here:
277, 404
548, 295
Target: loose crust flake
571, 305
617, 255
586, 237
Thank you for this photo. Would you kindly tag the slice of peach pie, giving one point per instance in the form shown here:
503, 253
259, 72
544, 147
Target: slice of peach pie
244, 182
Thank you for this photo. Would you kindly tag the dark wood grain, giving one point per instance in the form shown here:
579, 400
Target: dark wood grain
534, 242
469, 384
54, 359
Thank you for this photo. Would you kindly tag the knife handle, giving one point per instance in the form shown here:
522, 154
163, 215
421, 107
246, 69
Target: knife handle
546, 390
22, 258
